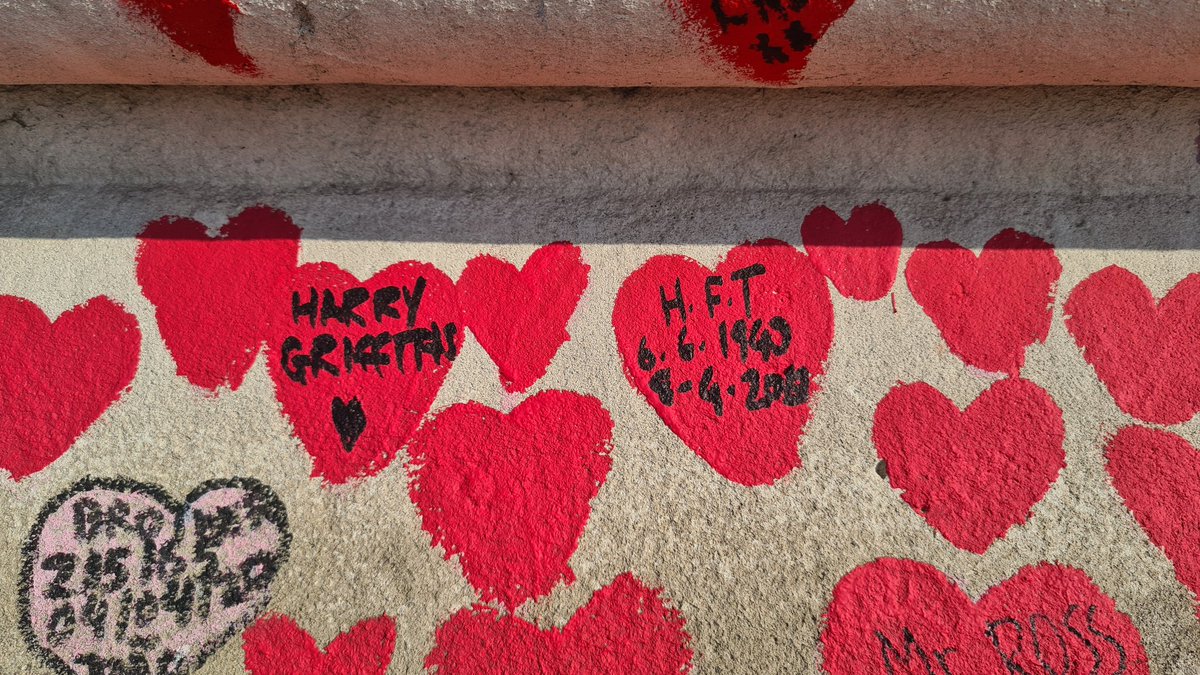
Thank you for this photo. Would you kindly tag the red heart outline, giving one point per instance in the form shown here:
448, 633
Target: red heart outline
520, 317
971, 474
901, 616
989, 308
392, 401
60, 376
511, 494
1146, 353
859, 255
277, 645
213, 296
625, 628
747, 446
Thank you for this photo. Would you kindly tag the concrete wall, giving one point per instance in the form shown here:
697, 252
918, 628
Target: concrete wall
751, 539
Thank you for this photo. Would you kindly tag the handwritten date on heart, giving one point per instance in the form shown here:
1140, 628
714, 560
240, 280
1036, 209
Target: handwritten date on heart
118, 577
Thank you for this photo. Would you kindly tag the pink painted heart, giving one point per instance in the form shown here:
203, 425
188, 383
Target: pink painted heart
971, 474
213, 296
118, 577
626, 629
729, 358
1158, 475
203, 27
276, 645
990, 308
1146, 353
904, 617
520, 317
860, 255
511, 494
59, 377
357, 364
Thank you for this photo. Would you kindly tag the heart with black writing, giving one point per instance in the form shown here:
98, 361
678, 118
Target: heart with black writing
213, 296
120, 577
989, 308
1146, 353
900, 616
859, 255
625, 628
971, 474
729, 358
357, 364
768, 41
59, 377
1158, 476
520, 317
276, 645
511, 494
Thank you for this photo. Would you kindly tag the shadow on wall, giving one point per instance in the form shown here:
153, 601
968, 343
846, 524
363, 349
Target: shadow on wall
1082, 168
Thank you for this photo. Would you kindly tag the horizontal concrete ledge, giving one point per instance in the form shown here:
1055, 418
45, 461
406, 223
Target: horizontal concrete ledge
602, 42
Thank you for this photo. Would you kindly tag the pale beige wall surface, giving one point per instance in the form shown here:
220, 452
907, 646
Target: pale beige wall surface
380, 175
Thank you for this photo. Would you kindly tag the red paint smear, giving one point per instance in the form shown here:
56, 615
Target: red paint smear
213, 296
1147, 354
790, 27
394, 402
276, 645
203, 27
971, 474
624, 630
510, 494
750, 447
991, 308
520, 318
860, 255
1158, 475
924, 616
59, 377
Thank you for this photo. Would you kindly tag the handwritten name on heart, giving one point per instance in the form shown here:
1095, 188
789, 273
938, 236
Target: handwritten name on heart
1157, 474
860, 255
120, 577
1147, 354
511, 494
971, 474
899, 616
213, 296
625, 628
59, 377
729, 358
767, 42
277, 645
357, 364
520, 317
989, 308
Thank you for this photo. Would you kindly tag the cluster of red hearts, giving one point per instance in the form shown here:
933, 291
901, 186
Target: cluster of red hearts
730, 358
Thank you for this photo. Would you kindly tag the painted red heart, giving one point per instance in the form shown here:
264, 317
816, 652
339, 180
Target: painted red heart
357, 364
59, 377
1147, 354
520, 317
511, 494
729, 358
899, 616
1158, 475
860, 255
765, 41
990, 308
625, 629
203, 27
971, 474
277, 645
213, 296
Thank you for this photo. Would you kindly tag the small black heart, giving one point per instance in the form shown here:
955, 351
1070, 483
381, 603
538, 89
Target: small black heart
350, 421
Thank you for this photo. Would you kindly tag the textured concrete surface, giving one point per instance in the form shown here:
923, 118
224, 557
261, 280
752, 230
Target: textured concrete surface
374, 176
